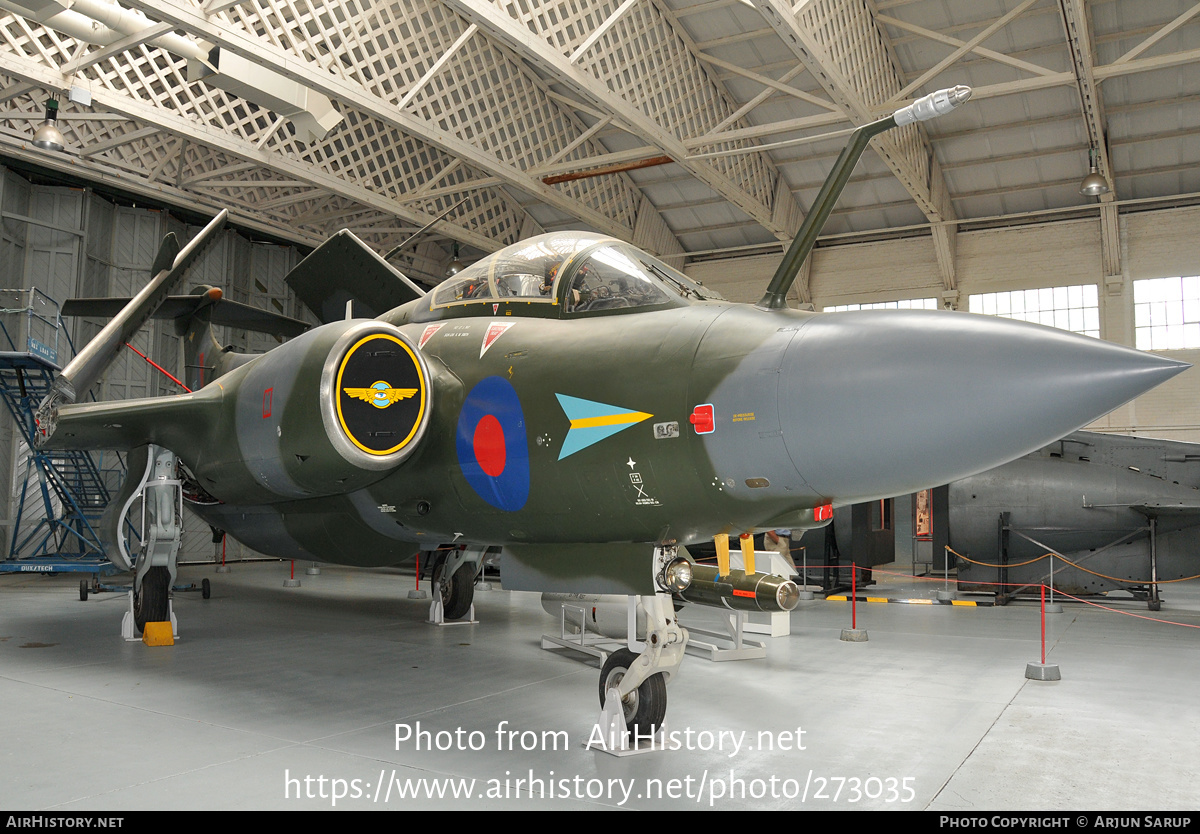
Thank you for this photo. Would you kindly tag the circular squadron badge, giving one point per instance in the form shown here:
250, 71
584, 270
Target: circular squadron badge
382, 394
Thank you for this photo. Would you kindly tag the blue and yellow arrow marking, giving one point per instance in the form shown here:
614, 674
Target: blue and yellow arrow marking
591, 422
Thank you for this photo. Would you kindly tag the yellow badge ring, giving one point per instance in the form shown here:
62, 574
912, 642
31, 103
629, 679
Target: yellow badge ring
420, 391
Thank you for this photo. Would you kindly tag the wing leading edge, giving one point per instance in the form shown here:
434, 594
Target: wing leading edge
173, 422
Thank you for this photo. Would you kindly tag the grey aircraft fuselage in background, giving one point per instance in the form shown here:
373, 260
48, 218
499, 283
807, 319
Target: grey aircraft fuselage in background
1088, 497
1091, 498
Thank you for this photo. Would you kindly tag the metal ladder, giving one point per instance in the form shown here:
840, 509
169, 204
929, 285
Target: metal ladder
62, 493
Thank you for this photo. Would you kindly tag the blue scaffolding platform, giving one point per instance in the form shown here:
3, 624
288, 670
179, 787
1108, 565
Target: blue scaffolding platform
62, 493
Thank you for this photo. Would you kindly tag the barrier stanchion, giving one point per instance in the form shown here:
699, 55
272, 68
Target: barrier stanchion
416, 592
1040, 670
1051, 607
1043, 671
224, 568
946, 595
804, 592
854, 634
292, 581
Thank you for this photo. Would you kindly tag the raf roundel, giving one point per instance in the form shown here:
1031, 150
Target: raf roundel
382, 396
492, 450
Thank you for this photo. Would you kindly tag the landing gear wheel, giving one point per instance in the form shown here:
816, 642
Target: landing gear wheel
150, 606
458, 592
206, 589
645, 707
83, 590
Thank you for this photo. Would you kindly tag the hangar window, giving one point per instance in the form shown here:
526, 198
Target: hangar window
1166, 313
904, 304
1075, 308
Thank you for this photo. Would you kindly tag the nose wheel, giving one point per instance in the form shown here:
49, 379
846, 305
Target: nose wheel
644, 708
633, 686
454, 586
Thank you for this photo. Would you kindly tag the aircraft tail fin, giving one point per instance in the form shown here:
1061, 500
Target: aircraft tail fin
344, 269
194, 316
82, 372
89, 363
181, 308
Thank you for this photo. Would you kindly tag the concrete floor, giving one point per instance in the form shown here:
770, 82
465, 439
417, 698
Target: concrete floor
268, 686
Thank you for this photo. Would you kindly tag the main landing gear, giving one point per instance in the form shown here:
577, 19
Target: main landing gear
155, 567
454, 576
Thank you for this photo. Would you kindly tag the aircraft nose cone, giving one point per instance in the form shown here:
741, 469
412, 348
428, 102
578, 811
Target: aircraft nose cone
910, 399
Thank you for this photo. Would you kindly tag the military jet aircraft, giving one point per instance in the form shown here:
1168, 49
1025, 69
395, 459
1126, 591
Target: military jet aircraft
582, 405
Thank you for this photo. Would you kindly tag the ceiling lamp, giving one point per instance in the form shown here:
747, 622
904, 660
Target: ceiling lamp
1093, 184
456, 265
48, 137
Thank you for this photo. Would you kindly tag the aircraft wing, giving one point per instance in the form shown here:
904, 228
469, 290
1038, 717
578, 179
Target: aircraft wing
1176, 509
344, 269
174, 422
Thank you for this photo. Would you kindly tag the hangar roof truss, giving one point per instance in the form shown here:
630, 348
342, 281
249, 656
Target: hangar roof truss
469, 106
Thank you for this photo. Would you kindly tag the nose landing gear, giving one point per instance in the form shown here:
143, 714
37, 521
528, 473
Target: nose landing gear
633, 686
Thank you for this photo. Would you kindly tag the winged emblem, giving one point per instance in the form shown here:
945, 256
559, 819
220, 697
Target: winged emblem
380, 394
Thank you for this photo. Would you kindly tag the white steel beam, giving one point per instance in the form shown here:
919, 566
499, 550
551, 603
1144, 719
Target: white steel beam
115, 48
94, 148
515, 35
779, 86
1079, 39
437, 65
963, 47
150, 115
1159, 35
96, 171
752, 103
599, 31
216, 6
850, 56
353, 94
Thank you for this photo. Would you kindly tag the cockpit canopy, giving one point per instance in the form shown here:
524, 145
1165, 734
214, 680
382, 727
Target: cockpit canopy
571, 273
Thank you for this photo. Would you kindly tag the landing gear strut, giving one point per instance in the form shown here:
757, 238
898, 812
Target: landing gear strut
633, 682
162, 530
